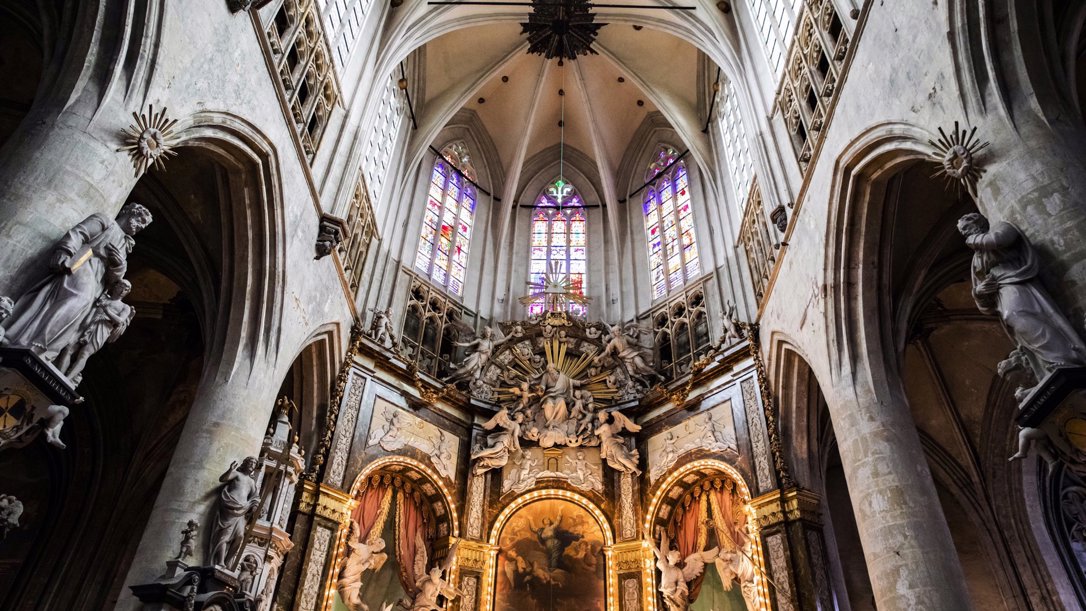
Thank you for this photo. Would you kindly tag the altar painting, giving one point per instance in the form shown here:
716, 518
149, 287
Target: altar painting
551, 558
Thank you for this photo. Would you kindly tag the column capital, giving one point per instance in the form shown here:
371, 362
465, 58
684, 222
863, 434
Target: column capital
324, 501
791, 505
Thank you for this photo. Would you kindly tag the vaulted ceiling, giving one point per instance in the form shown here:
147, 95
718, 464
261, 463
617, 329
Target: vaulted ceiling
523, 101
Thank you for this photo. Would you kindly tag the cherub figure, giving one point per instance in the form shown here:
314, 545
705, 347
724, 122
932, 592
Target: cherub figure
105, 323
500, 444
54, 419
674, 580
10, 510
381, 329
188, 540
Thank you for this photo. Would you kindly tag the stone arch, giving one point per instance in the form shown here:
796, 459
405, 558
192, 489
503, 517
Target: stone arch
308, 384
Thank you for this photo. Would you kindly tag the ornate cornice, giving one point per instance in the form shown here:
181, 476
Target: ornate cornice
779, 506
472, 555
324, 501
629, 556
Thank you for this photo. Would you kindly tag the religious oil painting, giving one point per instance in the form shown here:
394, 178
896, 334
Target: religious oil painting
551, 558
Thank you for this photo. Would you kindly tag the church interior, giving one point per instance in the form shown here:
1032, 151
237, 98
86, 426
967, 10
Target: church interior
540, 305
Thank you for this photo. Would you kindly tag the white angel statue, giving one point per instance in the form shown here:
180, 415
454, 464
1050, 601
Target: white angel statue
674, 579
361, 558
499, 444
475, 363
613, 447
430, 586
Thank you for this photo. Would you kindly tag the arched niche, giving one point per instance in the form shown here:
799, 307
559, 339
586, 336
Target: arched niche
394, 499
701, 505
534, 553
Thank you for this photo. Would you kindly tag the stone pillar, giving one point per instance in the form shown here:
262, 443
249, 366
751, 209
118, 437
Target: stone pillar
910, 556
471, 561
56, 170
1035, 178
227, 422
632, 560
321, 513
792, 544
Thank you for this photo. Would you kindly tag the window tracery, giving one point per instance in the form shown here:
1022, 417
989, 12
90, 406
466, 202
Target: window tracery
669, 225
736, 144
775, 21
382, 140
559, 242
343, 20
447, 224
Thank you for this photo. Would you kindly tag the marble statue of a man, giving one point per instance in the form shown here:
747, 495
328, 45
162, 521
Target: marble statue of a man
238, 498
89, 259
1005, 282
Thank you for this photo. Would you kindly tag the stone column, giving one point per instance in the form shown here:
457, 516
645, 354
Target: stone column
227, 421
910, 556
56, 170
1035, 178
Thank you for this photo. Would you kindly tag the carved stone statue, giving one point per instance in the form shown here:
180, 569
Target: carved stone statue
247, 573
499, 444
188, 541
475, 363
362, 557
674, 580
54, 419
432, 585
381, 329
729, 326
1036, 440
7, 306
104, 324
238, 498
10, 510
1005, 282
613, 448
89, 259
625, 348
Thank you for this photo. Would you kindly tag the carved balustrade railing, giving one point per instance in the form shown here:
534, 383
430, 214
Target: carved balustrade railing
755, 237
680, 328
361, 231
813, 69
302, 60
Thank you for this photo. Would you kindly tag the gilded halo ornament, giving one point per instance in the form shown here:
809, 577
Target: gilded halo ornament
956, 156
149, 141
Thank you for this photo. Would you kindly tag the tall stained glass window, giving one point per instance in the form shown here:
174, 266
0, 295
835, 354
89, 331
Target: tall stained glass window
447, 224
559, 241
669, 225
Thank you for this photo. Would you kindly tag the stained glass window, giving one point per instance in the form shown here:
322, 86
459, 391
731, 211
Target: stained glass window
447, 221
559, 240
669, 225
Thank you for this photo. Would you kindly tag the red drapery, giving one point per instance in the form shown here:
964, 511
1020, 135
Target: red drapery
410, 523
690, 536
368, 510
729, 517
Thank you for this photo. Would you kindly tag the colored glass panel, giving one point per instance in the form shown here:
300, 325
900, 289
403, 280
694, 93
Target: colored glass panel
447, 223
559, 239
669, 225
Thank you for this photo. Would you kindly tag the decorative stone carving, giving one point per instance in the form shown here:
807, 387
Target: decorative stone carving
314, 567
758, 438
28, 420
729, 327
1005, 282
11, 509
349, 415
713, 430
475, 506
674, 580
7, 306
86, 264
393, 429
613, 446
476, 362
580, 467
778, 560
631, 595
188, 541
381, 329
468, 585
779, 216
247, 569
331, 231
626, 503
238, 497
149, 141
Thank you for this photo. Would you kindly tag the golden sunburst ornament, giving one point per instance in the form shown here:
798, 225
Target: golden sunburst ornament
555, 292
150, 140
956, 156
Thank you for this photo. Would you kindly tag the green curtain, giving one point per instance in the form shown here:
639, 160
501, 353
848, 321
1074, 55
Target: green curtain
713, 597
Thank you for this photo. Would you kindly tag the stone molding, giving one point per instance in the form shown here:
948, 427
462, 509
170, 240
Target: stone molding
324, 501
777, 507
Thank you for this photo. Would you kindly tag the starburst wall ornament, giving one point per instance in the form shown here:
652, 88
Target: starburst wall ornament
956, 156
555, 292
150, 140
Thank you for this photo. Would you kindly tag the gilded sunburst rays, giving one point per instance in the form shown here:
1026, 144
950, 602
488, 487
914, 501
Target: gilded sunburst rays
556, 352
149, 141
555, 292
956, 156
